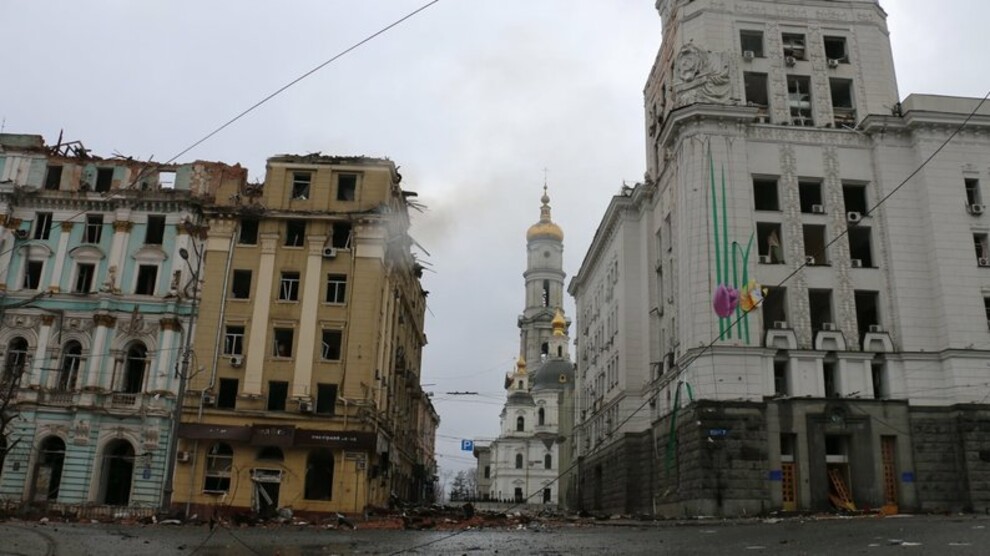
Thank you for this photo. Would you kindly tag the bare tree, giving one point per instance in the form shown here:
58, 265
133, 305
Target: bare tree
10, 380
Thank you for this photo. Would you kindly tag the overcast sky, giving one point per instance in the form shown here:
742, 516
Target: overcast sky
472, 98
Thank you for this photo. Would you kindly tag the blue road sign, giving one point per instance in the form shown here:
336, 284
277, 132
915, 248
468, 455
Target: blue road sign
467, 445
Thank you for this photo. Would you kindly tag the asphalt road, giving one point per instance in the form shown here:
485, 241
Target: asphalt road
943, 535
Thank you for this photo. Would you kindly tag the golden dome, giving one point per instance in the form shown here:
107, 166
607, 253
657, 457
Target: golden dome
558, 323
545, 228
521, 365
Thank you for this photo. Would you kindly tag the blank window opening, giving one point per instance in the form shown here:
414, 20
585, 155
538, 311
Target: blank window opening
861, 247
867, 311
53, 178
93, 232
751, 42
810, 195
155, 233
768, 243
765, 195
854, 196
295, 233
332, 340
780, 372
289, 287
248, 233
835, 49
282, 342
300, 185
973, 196
775, 308
756, 89
43, 225
166, 180
830, 375
843, 109
820, 305
794, 45
84, 278
326, 399
341, 235
878, 372
147, 280
104, 179
814, 245
278, 392
227, 396
241, 284
347, 187
32, 274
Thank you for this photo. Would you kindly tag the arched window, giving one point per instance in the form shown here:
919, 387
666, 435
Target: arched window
219, 462
547, 461
319, 475
271, 453
520, 423
68, 371
134, 368
118, 470
541, 417
48, 473
519, 461
17, 355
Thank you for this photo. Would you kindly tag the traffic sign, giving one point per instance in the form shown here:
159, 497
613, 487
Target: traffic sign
467, 445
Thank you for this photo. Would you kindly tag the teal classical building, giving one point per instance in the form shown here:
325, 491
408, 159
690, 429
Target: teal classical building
98, 285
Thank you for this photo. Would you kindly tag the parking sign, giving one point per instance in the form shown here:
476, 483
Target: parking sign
467, 445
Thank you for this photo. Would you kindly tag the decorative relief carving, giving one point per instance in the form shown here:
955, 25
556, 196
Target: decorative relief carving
838, 255
170, 323
150, 438
108, 321
701, 76
21, 321
122, 225
47, 320
793, 240
66, 226
80, 432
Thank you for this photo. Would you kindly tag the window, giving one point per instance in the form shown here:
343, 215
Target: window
519, 493
843, 110
332, 340
768, 243
248, 233
166, 180
765, 194
233, 340
547, 462
810, 196
241, 284
347, 187
835, 49
973, 196
289, 287
799, 100
867, 310
300, 185
986, 308
982, 249
820, 304
282, 342
341, 235
541, 417
135, 366
68, 372
794, 45
84, 278
147, 280
43, 225
854, 196
756, 89
278, 392
104, 179
319, 475
32, 274
219, 462
830, 372
520, 424
227, 396
780, 384
53, 178
488, 471
751, 41
775, 308
155, 233
326, 399
295, 233
336, 288
94, 228
519, 461
545, 294
860, 247
814, 245
17, 357
878, 370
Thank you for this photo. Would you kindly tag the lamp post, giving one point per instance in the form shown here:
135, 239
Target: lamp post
182, 371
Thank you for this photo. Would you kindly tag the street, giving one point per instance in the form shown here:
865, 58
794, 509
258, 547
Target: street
949, 535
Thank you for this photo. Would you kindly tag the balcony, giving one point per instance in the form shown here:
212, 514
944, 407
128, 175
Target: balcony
58, 397
119, 400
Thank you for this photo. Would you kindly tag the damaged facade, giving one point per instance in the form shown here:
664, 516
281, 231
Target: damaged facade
860, 381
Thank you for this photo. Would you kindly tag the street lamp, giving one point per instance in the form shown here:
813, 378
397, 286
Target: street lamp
182, 370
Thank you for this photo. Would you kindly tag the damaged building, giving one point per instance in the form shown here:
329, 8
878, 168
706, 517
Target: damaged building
850, 371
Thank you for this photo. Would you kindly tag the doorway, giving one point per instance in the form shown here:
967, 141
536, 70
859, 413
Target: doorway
48, 470
267, 483
118, 473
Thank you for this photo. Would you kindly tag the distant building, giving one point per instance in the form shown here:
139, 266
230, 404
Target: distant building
774, 130
483, 473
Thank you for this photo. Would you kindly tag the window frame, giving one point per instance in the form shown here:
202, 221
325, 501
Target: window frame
250, 236
336, 284
93, 229
352, 188
154, 230
276, 331
138, 281
233, 339
327, 351
301, 189
289, 285
234, 281
43, 225
78, 274
218, 467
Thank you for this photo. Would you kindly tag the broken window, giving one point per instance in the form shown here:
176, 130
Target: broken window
830, 376
147, 280
249, 232
756, 89
751, 43
219, 462
84, 278
336, 288
341, 235
104, 179
289, 287
94, 228
282, 342
53, 178
775, 308
781, 386
32, 274
814, 245
973, 196
799, 100
861, 247
300, 185
810, 194
241, 284
347, 187
854, 196
878, 372
332, 340
769, 243
835, 49
794, 46
765, 194
318, 484
867, 310
42, 225
278, 393
166, 180
295, 233
227, 396
233, 340
326, 399
843, 109
820, 305
155, 233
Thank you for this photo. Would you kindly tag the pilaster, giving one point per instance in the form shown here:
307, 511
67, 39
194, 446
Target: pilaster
94, 375
60, 255
302, 375
254, 365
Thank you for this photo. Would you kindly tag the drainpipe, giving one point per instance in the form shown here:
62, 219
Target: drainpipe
223, 312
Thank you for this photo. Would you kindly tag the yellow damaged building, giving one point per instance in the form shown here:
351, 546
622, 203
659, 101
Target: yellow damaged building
304, 383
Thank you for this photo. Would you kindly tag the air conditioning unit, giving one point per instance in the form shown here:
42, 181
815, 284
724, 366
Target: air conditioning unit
780, 324
853, 217
21, 234
856, 263
765, 259
828, 326
182, 457
236, 361
810, 260
329, 252
209, 399
818, 209
983, 261
833, 63
790, 61
748, 55
976, 209
875, 328
305, 407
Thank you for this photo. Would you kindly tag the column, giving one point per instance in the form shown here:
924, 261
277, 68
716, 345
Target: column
60, 255
165, 364
94, 376
306, 346
38, 365
258, 340
118, 252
